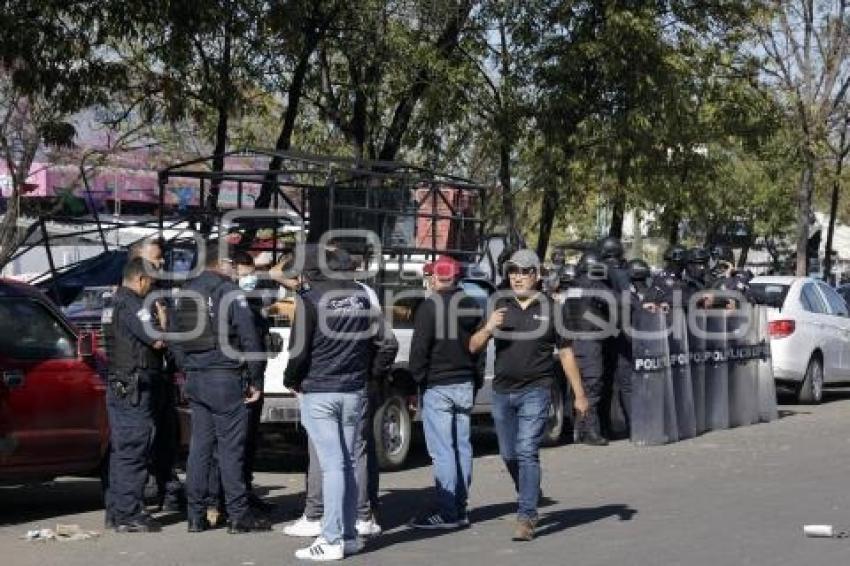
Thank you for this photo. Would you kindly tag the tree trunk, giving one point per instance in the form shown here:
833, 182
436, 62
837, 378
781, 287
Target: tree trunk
218, 157
224, 101
833, 205
548, 209
618, 210
10, 233
284, 139
804, 208
9, 240
618, 213
833, 212
745, 250
445, 45
507, 195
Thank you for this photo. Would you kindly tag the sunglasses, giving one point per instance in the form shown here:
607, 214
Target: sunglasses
522, 271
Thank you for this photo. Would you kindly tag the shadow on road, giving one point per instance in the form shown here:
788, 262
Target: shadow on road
408, 501
557, 521
50, 500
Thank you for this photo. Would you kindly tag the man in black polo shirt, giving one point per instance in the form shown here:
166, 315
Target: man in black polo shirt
523, 325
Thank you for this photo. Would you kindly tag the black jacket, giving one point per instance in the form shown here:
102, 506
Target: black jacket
330, 344
439, 350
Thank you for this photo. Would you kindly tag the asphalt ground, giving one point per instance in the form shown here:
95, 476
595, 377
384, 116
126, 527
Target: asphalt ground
736, 497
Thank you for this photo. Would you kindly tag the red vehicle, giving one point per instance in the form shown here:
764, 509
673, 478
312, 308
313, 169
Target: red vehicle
52, 399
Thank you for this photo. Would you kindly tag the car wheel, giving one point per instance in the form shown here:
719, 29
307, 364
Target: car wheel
811, 389
557, 410
393, 428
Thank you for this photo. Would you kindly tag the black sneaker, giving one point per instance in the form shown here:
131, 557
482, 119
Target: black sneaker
259, 505
198, 525
248, 524
463, 519
593, 438
143, 524
433, 522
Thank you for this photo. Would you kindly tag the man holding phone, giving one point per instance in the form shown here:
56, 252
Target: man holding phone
523, 325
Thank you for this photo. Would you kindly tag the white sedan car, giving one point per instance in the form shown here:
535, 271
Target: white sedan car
809, 329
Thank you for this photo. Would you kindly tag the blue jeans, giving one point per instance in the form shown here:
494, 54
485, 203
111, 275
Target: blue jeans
520, 418
331, 420
445, 415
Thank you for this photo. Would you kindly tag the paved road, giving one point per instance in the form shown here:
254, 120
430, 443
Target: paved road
736, 497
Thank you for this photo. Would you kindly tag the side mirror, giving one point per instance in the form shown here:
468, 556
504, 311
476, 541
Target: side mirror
86, 345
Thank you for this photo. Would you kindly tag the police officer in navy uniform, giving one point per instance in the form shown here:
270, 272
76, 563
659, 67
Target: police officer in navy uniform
164, 453
135, 364
218, 394
696, 277
639, 274
675, 260
591, 277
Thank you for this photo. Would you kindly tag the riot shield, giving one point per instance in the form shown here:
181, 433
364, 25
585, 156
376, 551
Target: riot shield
653, 408
764, 368
680, 372
716, 371
743, 386
696, 343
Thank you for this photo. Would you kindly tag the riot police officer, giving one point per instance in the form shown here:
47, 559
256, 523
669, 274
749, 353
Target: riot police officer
639, 274
721, 261
696, 276
675, 259
578, 305
613, 255
218, 392
135, 364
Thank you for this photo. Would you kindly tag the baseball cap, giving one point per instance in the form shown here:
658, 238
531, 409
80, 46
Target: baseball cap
446, 266
522, 259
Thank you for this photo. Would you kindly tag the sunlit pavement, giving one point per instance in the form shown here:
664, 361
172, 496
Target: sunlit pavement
737, 497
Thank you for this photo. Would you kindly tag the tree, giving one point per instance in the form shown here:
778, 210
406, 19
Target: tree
805, 45
839, 147
51, 66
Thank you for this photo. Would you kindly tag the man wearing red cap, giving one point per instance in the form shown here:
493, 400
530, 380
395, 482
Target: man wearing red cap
447, 373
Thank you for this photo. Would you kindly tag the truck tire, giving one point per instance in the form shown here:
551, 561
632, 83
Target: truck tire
393, 430
557, 417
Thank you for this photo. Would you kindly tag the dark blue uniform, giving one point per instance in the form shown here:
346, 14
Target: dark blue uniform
135, 368
216, 392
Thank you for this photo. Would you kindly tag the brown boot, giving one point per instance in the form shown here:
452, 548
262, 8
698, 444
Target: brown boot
524, 530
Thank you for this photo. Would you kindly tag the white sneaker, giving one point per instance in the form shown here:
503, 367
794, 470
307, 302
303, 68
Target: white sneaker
321, 551
303, 528
369, 528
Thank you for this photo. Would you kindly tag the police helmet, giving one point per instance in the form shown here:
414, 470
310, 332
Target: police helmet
721, 252
698, 255
611, 248
676, 254
567, 274
638, 270
592, 265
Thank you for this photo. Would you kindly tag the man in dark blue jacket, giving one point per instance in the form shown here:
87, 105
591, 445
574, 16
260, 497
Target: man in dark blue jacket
330, 353
218, 394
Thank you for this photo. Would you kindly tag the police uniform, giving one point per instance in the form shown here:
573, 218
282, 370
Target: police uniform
588, 351
216, 391
134, 367
166, 439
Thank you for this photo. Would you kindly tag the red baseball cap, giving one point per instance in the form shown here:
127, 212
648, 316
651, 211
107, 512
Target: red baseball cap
446, 266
